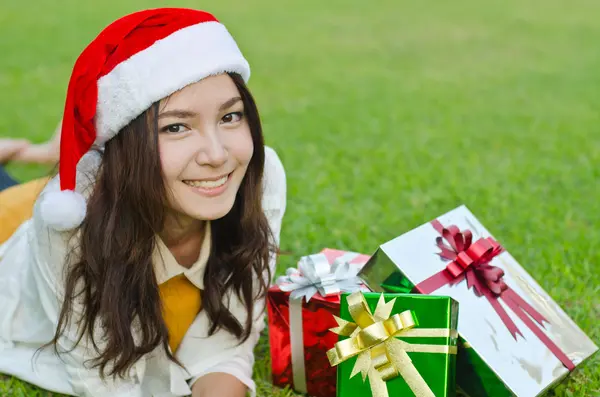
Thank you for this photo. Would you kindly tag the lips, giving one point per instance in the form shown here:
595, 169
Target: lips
208, 183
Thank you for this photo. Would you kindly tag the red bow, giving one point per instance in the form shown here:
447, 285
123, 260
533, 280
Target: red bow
471, 260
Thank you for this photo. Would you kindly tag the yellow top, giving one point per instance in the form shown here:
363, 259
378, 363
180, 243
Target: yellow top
180, 287
16, 206
181, 302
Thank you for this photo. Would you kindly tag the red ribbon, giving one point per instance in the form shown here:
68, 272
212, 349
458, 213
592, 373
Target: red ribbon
471, 260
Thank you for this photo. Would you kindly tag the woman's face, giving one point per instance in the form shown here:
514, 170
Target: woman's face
205, 147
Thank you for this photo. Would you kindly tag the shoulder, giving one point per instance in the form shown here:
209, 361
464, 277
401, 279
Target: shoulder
274, 181
53, 249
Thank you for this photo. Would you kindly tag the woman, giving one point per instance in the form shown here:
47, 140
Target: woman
144, 267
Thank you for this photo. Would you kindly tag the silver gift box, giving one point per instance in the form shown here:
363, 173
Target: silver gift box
491, 361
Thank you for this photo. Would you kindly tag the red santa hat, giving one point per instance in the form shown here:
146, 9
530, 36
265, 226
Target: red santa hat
134, 62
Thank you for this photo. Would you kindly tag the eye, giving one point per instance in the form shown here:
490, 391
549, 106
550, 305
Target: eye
232, 117
174, 128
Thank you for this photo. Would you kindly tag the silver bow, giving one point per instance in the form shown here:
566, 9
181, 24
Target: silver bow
315, 274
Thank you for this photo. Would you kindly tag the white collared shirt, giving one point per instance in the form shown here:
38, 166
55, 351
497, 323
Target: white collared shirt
32, 267
166, 266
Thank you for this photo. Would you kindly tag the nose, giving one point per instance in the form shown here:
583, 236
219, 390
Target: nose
213, 153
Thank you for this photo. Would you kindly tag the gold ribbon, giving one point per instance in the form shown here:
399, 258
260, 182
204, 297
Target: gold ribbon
382, 357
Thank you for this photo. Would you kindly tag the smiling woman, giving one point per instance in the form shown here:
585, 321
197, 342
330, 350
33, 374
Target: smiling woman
144, 267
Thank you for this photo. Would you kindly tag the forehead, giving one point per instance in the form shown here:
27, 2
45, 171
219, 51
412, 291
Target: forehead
206, 94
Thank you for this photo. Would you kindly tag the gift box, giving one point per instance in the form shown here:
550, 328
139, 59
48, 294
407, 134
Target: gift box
300, 309
401, 344
513, 338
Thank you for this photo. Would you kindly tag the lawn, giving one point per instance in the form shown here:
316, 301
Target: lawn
387, 114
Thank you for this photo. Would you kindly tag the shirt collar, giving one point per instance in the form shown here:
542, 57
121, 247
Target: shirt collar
166, 267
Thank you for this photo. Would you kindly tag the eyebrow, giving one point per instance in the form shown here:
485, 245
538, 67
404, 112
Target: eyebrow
181, 114
229, 103
188, 114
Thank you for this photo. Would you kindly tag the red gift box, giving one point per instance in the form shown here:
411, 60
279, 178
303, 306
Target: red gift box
299, 335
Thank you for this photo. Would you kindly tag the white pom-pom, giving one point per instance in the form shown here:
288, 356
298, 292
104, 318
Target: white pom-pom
63, 210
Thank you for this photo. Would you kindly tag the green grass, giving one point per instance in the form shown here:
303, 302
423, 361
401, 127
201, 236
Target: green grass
387, 114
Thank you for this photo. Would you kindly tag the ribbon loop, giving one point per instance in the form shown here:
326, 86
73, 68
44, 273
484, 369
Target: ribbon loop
400, 322
315, 275
466, 256
388, 372
373, 335
347, 349
379, 356
359, 310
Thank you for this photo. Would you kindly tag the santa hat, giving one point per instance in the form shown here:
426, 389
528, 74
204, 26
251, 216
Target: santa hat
134, 62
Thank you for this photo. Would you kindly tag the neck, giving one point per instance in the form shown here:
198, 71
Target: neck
183, 235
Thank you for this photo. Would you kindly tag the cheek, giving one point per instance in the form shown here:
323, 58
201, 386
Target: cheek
171, 160
243, 147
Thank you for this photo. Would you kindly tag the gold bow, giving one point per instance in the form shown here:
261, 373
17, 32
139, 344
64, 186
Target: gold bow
382, 357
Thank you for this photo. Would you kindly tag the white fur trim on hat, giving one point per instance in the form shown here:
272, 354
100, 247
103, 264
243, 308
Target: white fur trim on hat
182, 58
63, 210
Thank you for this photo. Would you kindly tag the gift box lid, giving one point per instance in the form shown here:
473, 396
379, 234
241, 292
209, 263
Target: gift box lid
522, 362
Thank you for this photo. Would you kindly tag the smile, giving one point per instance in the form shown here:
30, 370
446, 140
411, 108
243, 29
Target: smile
211, 187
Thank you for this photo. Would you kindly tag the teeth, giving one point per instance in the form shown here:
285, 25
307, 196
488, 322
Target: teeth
208, 184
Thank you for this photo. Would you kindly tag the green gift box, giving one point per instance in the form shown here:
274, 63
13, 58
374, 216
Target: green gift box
395, 345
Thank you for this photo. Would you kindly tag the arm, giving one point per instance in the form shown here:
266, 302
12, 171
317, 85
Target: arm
219, 384
42, 153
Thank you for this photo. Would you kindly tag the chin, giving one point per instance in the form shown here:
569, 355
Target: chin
211, 214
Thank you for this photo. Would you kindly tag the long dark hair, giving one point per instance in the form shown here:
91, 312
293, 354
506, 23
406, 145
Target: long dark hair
113, 276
